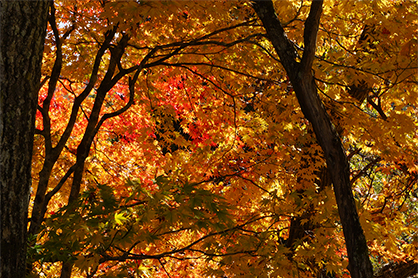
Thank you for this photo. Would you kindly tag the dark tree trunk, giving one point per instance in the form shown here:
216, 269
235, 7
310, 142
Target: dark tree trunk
300, 74
23, 25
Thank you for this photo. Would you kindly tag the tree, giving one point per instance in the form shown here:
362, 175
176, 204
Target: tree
300, 74
169, 140
23, 26
303, 80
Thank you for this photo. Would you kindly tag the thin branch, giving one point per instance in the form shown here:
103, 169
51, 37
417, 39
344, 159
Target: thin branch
218, 67
127, 255
43, 81
218, 87
106, 116
298, 13
365, 169
60, 184
198, 40
254, 183
377, 106
165, 270
182, 45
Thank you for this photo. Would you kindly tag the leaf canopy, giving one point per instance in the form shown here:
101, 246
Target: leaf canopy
170, 142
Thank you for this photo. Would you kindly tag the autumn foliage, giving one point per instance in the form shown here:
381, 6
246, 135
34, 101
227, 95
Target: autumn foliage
170, 142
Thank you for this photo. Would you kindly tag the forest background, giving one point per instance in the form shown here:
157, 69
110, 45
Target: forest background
224, 139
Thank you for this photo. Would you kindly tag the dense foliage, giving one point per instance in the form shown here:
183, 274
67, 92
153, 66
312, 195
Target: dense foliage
170, 142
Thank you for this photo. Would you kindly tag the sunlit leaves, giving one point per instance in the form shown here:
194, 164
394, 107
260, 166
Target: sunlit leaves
213, 165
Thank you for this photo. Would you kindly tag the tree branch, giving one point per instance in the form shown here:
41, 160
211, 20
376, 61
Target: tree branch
398, 270
106, 116
283, 46
310, 34
127, 255
363, 171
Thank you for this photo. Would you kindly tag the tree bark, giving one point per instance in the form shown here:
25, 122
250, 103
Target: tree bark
23, 27
300, 74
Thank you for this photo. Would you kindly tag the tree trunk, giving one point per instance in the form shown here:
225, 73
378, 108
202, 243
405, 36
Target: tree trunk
23, 26
66, 269
300, 74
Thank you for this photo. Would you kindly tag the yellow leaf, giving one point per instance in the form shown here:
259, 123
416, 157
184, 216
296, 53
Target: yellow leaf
119, 218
